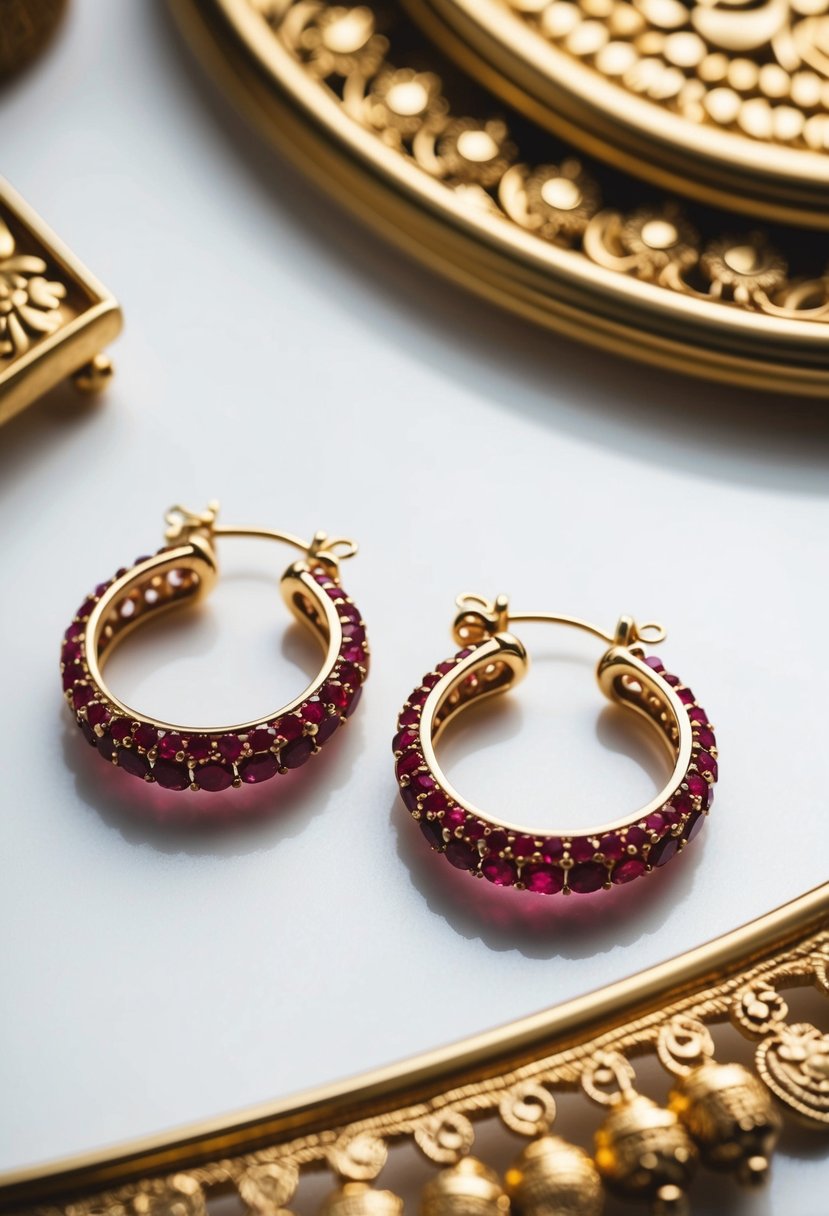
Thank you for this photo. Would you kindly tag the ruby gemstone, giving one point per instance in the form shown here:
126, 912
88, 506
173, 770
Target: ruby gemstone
353, 653
120, 729
611, 846
259, 768
106, 747
403, 740
445, 667
544, 880
637, 837
663, 851
462, 856
326, 729
655, 822
697, 714
295, 753
705, 738
433, 831
231, 747
698, 787
86, 607
586, 878
686, 696
82, 695
499, 871
88, 733
354, 633
171, 776
552, 849
474, 830
423, 783
263, 738
71, 675
407, 764
671, 679
71, 652
408, 717
582, 848
334, 694
655, 663
454, 818
289, 727
496, 841
199, 747
169, 746
146, 736
693, 826
313, 712
97, 714
131, 762
409, 797
436, 801
523, 846
628, 870
429, 681
213, 777
706, 764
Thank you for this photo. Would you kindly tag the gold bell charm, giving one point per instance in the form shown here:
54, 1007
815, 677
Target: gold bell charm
642, 1150
358, 1160
361, 1199
724, 1107
550, 1177
468, 1188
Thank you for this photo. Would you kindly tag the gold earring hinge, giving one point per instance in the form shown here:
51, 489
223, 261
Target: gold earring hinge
182, 523
479, 617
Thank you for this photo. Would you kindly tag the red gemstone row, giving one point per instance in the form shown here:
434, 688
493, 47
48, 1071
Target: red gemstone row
550, 864
217, 761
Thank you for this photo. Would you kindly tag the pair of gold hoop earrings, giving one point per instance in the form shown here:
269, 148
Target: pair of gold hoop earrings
491, 661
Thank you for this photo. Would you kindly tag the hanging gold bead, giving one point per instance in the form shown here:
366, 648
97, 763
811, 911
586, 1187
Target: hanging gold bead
554, 1178
731, 1117
361, 1199
644, 1152
469, 1188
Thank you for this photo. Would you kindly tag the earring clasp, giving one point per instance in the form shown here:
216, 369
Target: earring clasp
182, 524
479, 618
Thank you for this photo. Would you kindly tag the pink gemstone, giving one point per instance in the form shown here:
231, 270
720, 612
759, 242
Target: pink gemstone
552, 849
231, 747
259, 768
444, 668
146, 736
453, 819
131, 762
523, 846
213, 777
86, 607
430, 680
353, 653
407, 764
121, 729
71, 675
697, 714
313, 712
462, 856
693, 826
435, 802
611, 847
334, 694
263, 738
354, 633
498, 871
670, 679
169, 746
73, 633
349, 612
628, 870
698, 787
71, 652
582, 849
686, 696
418, 697
423, 783
82, 695
496, 841
171, 776
705, 738
199, 747
289, 727
326, 729
409, 797
545, 880
432, 829
295, 753
662, 852
655, 822
97, 714
707, 765
586, 878
637, 837
654, 663
403, 740
408, 717
87, 732
106, 747
474, 830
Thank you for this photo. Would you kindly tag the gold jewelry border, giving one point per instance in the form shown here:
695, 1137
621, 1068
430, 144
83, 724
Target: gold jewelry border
786, 947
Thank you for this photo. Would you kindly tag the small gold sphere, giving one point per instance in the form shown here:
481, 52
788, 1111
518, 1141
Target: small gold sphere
361, 1199
469, 1188
94, 376
730, 1115
644, 1152
554, 1178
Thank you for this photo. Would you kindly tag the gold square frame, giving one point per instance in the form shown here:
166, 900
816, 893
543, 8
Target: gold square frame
55, 317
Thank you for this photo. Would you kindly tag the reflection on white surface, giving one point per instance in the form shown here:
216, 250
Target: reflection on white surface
279, 358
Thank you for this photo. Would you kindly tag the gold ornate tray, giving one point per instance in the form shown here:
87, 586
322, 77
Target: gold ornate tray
371, 111
442, 1102
723, 100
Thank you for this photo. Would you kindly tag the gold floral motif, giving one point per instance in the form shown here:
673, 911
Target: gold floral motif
339, 41
794, 1064
401, 101
746, 270
29, 302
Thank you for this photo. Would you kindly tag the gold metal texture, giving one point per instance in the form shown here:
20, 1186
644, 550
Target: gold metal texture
374, 114
437, 1100
54, 316
723, 102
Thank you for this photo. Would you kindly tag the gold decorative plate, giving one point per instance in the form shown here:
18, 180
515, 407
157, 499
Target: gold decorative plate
374, 114
723, 100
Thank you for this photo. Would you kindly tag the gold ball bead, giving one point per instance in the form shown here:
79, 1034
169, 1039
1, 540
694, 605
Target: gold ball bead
643, 1151
469, 1188
361, 1199
730, 1115
554, 1178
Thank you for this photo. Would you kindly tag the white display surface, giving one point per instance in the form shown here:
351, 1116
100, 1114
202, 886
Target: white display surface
279, 358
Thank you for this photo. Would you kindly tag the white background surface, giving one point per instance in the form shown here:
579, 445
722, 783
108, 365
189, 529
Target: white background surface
277, 357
